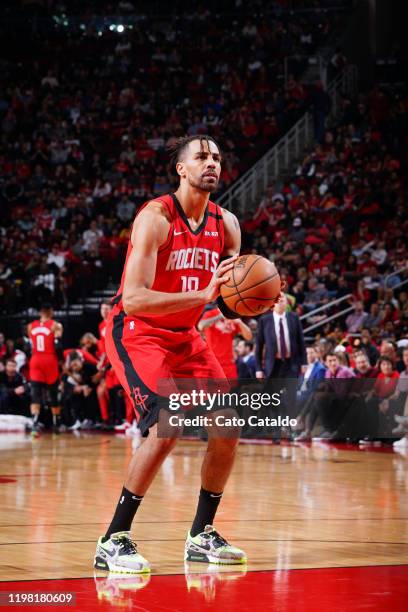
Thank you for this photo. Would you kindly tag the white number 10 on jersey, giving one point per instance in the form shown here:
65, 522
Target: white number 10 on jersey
189, 283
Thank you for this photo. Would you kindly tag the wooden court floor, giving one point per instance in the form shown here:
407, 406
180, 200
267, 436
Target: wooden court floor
287, 506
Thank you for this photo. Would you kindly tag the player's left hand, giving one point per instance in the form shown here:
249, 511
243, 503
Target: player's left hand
221, 275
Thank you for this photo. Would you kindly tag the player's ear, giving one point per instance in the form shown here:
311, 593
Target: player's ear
181, 169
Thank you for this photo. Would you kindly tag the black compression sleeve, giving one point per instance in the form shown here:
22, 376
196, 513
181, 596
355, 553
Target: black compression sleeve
227, 312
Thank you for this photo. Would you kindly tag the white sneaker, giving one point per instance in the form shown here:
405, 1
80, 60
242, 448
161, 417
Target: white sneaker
403, 443
87, 424
123, 426
133, 430
402, 420
210, 547
119, 554
75, 426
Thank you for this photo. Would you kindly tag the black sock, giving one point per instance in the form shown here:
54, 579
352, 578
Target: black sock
124, 514
206, 509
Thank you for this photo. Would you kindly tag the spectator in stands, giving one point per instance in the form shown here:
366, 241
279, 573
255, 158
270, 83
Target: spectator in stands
388, 349
368, 346
379, 399
374, 317
363, 369
401, 394
14, 397
55, 257
126, 209
43, 284
355, 321
316, 295
92, 237
78, 393
333, 400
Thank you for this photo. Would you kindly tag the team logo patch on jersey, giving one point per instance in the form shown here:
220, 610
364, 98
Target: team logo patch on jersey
139, 399
211, 234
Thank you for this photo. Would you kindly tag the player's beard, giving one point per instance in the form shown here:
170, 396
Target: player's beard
204, 184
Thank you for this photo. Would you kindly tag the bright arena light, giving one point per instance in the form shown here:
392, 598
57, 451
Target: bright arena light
120, 29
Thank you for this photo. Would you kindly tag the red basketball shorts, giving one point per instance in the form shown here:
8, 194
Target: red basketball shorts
142, 355
44, 369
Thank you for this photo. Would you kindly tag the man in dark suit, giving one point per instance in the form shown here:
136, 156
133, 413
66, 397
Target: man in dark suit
280, 336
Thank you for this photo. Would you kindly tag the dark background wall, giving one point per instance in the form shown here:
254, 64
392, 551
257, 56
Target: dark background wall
377, 33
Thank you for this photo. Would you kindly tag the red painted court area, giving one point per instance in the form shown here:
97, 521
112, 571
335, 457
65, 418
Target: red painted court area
333, 589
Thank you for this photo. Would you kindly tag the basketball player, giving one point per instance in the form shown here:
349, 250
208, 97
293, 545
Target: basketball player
44, 334
109, 390
220, 333
102, 389
182, 248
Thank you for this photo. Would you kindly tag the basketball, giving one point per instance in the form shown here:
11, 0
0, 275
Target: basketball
253, 287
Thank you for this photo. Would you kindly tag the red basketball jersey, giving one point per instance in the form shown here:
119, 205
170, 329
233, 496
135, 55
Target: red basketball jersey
42, 338
185, 262
101, 339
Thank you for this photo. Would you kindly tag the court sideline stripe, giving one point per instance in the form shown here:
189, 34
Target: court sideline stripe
253, 571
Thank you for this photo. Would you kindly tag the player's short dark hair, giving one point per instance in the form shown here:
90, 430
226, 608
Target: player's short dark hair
331, 354
176, 149
46, 307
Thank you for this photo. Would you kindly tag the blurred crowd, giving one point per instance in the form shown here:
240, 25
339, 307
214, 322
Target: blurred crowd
336, 229
338, 226
86, 117
85, 122
338, 388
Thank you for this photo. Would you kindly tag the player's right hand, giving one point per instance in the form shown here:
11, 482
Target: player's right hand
221, 275
259, 375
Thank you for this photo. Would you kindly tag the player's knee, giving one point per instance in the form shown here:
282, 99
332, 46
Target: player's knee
163, 446
224, 446
225, 427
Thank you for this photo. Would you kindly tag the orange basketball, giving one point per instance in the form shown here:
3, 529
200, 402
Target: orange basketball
253, 287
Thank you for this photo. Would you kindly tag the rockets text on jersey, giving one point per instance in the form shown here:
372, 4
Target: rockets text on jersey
185, 262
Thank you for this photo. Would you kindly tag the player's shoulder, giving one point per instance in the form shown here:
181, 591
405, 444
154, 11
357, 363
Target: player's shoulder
153, 222
229, 217
155, 210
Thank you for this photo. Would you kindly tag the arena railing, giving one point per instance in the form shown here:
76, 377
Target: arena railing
243, 194
336, 315
396, 273
320, 309
341, 313
312, 313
